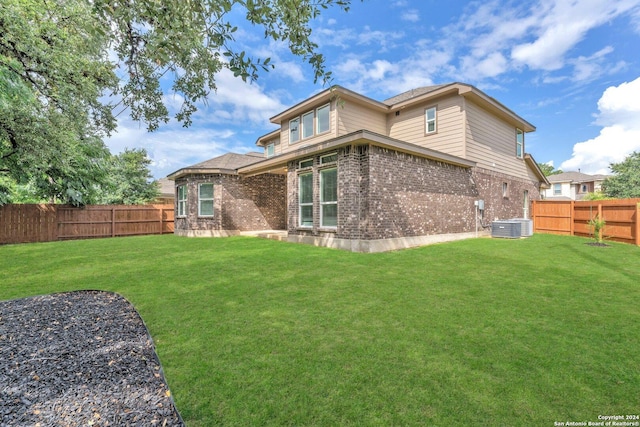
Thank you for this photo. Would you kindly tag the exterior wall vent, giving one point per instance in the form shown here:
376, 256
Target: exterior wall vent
506, 229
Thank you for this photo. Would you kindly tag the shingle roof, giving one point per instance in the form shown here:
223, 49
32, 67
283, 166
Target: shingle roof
412, 94
575, 177
167, 187
229, 161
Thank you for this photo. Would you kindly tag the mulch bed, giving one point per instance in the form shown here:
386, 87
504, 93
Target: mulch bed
80, 359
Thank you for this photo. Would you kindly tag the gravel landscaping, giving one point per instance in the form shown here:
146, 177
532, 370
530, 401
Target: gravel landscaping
80, 359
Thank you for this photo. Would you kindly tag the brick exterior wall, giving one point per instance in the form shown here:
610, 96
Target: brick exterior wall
385, 194
240, 204
497, 205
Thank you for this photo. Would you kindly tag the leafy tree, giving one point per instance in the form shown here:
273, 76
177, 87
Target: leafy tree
130, 181
68, 68
548, 170
626, 180
596, 195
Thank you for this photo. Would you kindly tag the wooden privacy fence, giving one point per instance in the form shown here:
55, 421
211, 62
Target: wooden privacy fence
45, 223
621, 216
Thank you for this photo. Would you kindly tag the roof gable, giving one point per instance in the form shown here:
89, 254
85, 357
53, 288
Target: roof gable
227, 163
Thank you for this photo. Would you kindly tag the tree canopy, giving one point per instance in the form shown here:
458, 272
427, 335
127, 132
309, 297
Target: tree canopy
67, 69
625, 183
548, 169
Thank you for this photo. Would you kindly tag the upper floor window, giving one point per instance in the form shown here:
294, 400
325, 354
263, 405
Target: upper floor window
205, 200
307, 124
430, 120
294, 130
182, 200
519, 143
557, 189
271, 149
322, 119
310, 123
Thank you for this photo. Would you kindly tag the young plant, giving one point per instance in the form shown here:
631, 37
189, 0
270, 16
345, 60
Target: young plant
597, 224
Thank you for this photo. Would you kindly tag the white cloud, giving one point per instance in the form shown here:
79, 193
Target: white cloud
619, 110
410, 15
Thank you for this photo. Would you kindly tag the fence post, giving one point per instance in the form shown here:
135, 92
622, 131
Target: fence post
161, 211
572, 218
638, 224
113, 221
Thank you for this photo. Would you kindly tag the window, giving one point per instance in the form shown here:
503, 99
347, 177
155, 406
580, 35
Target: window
271, 149
294, 130
306, 200
329, 158
584, 188
322, 119
307, 125
519, 143
505, 189
205, 200
557, 189
329, 198
430, 120
307, 163
182, 200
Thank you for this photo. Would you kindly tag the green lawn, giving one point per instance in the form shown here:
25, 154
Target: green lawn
478, 332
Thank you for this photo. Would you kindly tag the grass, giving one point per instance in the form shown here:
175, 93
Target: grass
478, 332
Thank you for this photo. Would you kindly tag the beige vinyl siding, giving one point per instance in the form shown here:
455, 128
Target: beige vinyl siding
286, 147
409, 126
353, 117
277, 146
491, 142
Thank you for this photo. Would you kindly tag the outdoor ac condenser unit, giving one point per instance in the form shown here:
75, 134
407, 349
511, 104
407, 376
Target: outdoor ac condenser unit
506, 229
527, 226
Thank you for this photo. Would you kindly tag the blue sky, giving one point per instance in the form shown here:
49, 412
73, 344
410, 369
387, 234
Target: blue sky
570, 67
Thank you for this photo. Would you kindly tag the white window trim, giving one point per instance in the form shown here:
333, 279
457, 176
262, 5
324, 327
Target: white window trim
322, 162
300, 203
326, 203
182, 203
320, 132
434, 120
201, 199
304, 161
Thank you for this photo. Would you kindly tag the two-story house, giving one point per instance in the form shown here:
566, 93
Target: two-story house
343, 170
572, 185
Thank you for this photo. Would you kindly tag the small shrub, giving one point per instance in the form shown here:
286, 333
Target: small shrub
597, 224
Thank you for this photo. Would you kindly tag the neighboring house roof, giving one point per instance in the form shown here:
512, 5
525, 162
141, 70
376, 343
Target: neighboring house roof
227, 163
575, 177
166, 187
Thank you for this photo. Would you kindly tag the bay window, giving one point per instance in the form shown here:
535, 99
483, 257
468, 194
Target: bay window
205, 200
182, 200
